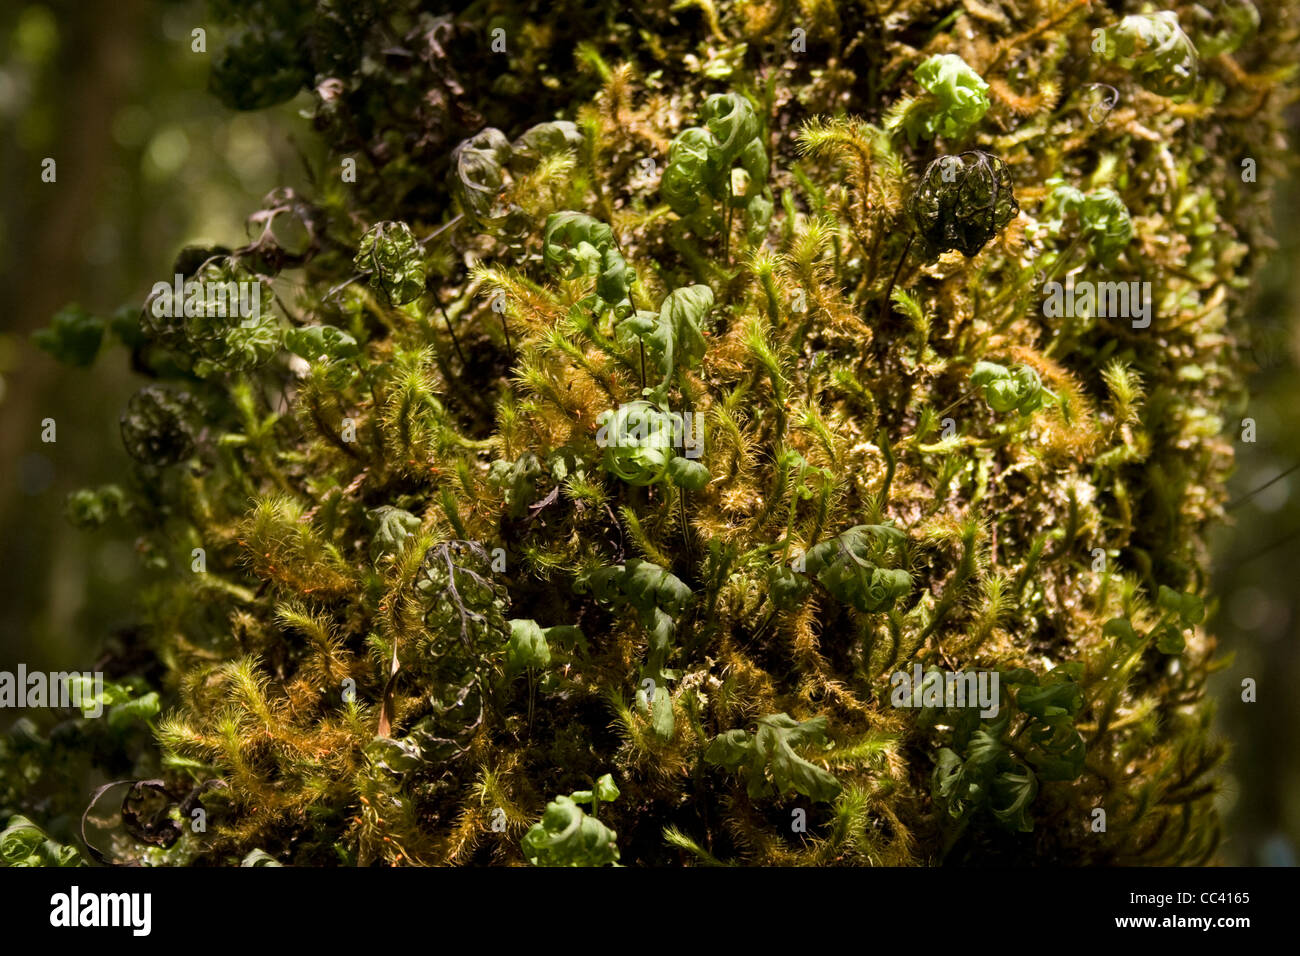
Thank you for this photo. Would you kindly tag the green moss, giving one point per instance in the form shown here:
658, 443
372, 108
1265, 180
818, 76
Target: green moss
711, 617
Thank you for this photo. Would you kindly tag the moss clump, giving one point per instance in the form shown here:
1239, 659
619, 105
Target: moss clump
649, 443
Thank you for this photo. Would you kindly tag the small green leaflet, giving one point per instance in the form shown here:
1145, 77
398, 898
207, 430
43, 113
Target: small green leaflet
770, 752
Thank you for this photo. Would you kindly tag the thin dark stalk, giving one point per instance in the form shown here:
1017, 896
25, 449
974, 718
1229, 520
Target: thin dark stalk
1272, 481
884, 306
452, 331
686, 534
441, 229
761, 630
1267, 548
532, 698
968, 394
726, 239
510, 349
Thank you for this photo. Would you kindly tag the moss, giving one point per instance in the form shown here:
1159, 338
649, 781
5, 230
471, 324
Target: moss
453, 599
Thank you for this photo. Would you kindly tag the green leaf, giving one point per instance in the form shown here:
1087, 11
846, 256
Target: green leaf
394, 755
1101, 216
999, 775
526, 648
959, 99
1121, 629
606, 790
731, 750
1237, 22
517, 481
673, 339
1106, 217
545, 139
775, 741
1188, 610
652, 331
392, 255
1057, 750
684, 312
1050, 699
478, 165
731, 120
565, 636
772, 750
314, 342
1169, 640
73, 337
848, 566
91, 508
95, 699
579, 247
1155, 48
1011, 795
948, 782
658, 709
1189, 607
221, 323
787, 588
20, 840
986, 373
685, 179
141, 710
688, 474
657, 596
637, 438
701, 160
260, 857
566, 836
1009, 389
395, 528
23, 843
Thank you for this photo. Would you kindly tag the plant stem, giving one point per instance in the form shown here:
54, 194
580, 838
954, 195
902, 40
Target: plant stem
532, 694
968, 394
891, 462
686, 534
454, 341
510, 349
1013, 293
1250, 494
1064, 258
726, 238
884, 305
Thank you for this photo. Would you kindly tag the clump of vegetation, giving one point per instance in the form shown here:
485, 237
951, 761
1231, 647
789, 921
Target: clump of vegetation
628, 458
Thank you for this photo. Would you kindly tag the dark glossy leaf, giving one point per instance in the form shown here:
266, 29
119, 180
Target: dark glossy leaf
962, 202
156, 427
